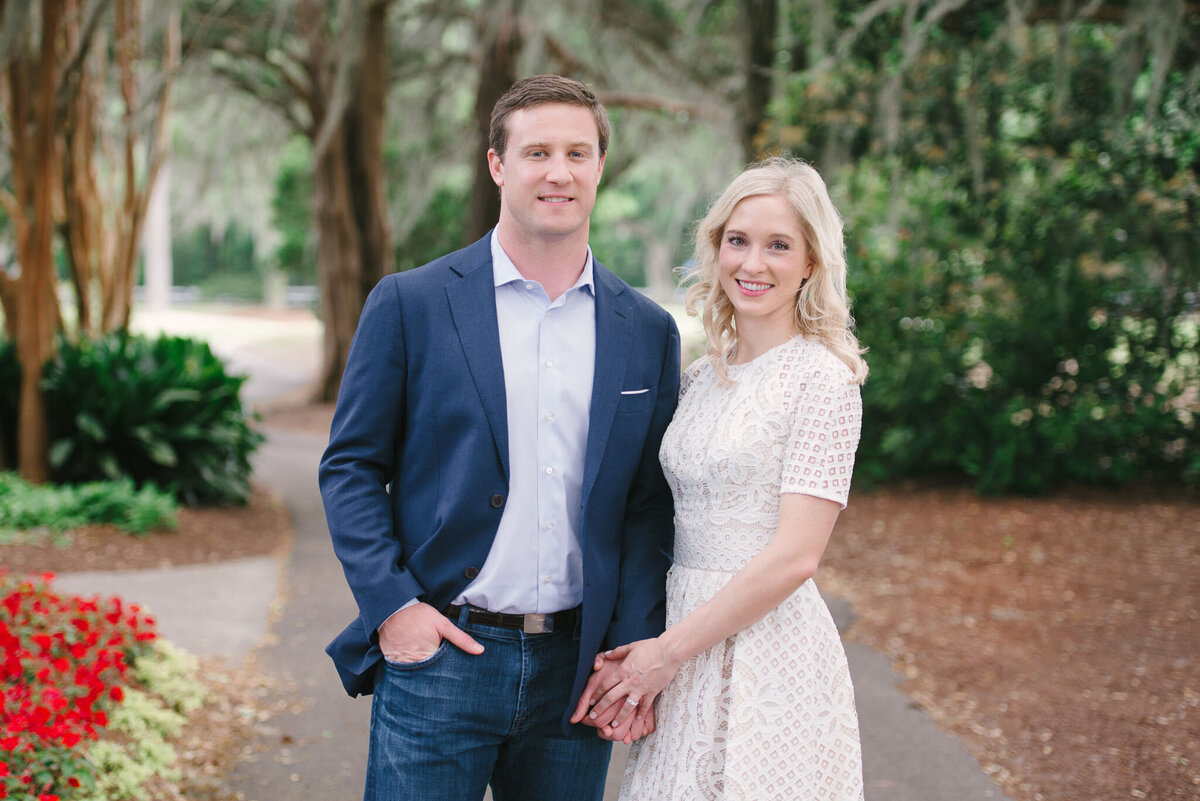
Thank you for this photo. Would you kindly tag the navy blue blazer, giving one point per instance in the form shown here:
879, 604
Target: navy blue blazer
416, 473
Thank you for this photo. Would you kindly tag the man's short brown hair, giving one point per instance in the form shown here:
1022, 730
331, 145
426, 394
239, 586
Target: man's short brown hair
538, 90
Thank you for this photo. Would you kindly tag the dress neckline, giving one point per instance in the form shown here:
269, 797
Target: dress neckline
762, 356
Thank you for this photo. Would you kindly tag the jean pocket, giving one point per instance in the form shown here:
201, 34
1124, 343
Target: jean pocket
420, 663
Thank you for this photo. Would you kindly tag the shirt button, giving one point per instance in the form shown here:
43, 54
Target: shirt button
549, 471
549, 363
497, 501
529, 286
471, 572
549, 417
549, 526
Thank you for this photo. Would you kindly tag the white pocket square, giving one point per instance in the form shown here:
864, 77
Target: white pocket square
635, 391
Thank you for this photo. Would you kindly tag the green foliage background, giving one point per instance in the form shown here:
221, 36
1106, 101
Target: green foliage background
1036, 323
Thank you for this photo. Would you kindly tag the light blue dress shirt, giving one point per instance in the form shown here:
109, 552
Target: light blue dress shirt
549, 354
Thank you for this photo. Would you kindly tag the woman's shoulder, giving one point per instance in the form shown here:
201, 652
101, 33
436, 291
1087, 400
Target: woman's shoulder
697, 367
811, 363
694, 371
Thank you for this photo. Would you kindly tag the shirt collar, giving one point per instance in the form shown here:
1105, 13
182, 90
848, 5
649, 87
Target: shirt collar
505, 272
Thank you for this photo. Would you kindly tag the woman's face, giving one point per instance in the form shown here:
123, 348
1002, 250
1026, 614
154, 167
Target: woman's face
762, 262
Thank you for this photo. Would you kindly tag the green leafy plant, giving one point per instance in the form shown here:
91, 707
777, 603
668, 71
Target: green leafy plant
156, 411
61, 508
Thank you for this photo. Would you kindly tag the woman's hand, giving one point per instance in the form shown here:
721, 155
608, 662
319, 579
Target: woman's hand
646, 667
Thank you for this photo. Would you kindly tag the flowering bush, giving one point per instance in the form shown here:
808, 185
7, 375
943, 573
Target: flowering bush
66, 675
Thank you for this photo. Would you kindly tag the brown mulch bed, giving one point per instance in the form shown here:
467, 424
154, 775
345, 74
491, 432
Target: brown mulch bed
1058, 637
206, 534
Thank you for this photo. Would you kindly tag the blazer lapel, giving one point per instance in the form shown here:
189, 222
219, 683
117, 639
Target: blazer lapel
472, 300
614, 337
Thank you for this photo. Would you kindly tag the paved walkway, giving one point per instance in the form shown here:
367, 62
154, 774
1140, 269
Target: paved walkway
285, 610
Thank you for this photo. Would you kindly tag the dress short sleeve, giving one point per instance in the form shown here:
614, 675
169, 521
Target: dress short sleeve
826, 421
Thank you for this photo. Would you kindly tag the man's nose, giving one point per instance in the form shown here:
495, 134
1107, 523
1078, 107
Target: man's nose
559, 171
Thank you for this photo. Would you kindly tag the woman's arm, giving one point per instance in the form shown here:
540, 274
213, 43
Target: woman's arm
790, 559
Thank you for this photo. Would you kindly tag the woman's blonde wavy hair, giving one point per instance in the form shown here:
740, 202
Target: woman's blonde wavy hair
822, 306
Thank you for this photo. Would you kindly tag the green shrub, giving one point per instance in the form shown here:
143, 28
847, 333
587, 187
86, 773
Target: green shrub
156, 410
60, 508
159, 411
1049, 336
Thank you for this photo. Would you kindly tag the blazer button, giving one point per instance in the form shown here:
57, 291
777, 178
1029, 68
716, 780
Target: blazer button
471, 572
497, 501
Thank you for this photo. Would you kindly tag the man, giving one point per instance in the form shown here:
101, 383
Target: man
492, 483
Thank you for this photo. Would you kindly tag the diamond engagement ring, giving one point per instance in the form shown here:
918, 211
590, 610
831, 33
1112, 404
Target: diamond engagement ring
631, 701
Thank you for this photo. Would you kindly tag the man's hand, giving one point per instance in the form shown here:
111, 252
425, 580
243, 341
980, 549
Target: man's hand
607, 674
635, 727
414, 633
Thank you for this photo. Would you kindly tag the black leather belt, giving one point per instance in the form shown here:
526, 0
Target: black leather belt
529, 623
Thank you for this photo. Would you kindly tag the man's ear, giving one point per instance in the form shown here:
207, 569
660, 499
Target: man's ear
495, 166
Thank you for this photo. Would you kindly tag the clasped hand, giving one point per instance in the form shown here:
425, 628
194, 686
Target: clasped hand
619, 697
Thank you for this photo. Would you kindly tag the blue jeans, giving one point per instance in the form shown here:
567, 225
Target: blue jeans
444, 728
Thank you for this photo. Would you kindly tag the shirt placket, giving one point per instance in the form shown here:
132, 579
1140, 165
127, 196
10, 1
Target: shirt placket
551, 553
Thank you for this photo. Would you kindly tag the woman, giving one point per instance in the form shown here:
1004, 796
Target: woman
757, 701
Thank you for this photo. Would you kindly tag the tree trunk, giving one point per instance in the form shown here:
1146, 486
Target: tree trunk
82, 225
353, 247
365, 133
156, 243
117, 276
339, 263
34, 182
758, 44
501, 37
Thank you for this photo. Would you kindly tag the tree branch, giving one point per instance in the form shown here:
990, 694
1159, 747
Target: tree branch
73, 68
281, 102
649, 102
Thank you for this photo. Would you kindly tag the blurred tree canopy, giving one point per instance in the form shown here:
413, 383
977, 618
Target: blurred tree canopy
1018, 178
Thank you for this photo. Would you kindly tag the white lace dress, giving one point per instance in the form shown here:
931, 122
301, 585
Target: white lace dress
769, 713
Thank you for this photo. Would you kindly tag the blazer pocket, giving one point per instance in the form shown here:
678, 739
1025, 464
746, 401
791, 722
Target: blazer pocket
637, 399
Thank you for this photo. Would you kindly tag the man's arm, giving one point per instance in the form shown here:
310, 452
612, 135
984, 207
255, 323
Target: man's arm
648, 532
359, 462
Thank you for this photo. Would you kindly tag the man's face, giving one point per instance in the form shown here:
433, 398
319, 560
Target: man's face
550, 170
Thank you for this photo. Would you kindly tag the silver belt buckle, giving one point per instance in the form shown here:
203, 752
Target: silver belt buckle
538, 624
